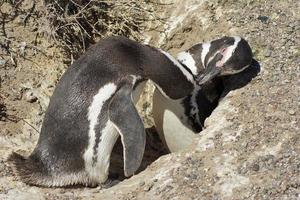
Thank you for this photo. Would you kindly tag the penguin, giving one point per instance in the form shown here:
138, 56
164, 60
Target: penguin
92, 105
178, 122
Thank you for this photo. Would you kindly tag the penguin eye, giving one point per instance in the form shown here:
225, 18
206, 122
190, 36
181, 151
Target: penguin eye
223, 50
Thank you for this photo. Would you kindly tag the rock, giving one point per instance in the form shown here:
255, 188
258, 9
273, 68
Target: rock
255, 167
142, 183
268, 53
2, 62
148, 186
16, 95
263, 18
30, 97
292, 112
22, 47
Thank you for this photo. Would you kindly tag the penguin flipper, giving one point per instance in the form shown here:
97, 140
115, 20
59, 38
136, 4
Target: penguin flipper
124, 116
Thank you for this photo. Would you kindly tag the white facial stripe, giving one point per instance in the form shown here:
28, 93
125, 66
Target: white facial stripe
187, 59
94, 111
177, 64
205, 50
230, 50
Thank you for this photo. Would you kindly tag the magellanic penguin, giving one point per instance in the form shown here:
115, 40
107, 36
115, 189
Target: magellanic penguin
93, 103
179, 121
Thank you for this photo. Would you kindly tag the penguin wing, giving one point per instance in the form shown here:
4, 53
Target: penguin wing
124, 116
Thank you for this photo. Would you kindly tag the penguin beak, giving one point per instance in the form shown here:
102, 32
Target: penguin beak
211, 72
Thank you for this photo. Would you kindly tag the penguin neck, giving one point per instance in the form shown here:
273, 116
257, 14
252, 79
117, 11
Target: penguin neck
192, 60
172, 79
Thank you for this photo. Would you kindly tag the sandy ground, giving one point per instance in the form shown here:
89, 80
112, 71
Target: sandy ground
250, 148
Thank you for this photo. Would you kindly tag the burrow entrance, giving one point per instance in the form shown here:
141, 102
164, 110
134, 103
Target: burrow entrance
154, 145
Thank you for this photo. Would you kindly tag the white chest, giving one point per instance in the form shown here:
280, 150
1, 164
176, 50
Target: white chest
172, 123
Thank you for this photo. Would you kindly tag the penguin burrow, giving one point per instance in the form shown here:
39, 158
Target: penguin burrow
179, 121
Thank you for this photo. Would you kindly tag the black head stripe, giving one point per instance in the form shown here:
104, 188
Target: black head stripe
196, 51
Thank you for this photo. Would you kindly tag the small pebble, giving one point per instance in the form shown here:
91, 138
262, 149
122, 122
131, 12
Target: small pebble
148, 187
142, 183
255, 167
30, 97
268, 53
263, 18
292, 112
2, 62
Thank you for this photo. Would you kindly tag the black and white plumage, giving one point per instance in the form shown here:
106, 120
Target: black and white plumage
178, 121
94, 103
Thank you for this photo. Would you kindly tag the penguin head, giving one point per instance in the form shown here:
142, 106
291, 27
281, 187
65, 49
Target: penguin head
225, 56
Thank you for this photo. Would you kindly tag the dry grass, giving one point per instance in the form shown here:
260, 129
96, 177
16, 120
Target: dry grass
78, 23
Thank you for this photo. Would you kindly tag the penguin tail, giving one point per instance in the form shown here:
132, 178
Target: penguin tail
32, 171
29, 170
